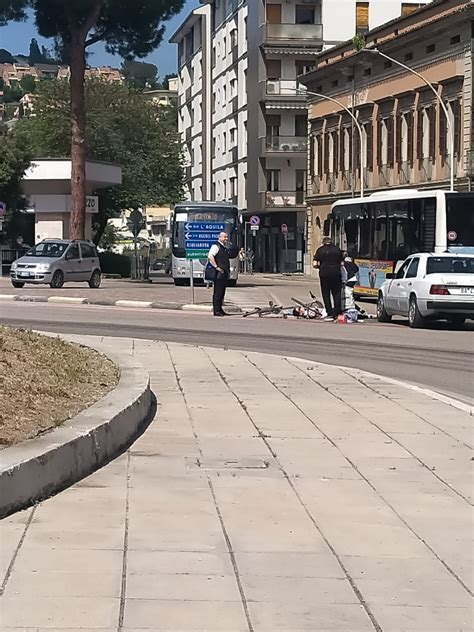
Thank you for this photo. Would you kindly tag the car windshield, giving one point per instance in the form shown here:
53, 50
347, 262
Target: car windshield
50, 249
450, 265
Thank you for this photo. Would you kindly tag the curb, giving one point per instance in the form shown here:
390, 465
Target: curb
72, 300
38, 468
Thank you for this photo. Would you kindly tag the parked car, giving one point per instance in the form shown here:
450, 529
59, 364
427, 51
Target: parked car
57, 261
160, 266
428, 287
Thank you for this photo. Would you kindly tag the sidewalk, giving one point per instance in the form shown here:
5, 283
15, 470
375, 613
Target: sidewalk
269, 494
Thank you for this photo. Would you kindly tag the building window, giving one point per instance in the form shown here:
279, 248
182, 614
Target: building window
430, 48
455, 40
304, 14
456, 121
224, 142
233, 187
408, 56
367, 72
410, 7
233, 137
273, 179
385, 142
273, 69
273, 122
362, 17
273, 12
233, 39
303, 67
301, 125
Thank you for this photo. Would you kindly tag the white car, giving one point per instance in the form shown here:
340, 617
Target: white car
429, 286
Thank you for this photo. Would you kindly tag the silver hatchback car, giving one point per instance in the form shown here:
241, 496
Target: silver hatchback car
56, 261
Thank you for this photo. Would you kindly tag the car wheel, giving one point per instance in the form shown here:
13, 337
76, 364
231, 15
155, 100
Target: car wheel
456, 321
94, 281
382, 315
415, 319
18, 283
58, 279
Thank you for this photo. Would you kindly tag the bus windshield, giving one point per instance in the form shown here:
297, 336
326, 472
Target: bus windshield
460, 220
182, 216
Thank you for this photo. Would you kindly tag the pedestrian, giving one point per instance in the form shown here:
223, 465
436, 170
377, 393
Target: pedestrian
219, 259
242, 260
329, 258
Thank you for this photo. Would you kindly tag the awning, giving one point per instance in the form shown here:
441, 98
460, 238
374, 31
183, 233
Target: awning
293, 51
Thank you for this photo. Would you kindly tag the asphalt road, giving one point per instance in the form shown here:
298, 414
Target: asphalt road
439, 358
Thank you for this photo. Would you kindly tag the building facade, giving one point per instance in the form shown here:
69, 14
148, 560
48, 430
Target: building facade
406, 137
243, 114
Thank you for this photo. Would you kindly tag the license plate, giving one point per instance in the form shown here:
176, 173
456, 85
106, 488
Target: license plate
467, 290
24, 274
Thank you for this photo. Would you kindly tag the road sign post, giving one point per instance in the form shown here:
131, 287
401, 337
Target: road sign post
284, 230
198, 238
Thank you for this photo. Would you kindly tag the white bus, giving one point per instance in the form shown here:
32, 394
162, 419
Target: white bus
213, 213
379, 230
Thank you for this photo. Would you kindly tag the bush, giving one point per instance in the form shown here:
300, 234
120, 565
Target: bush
113, 263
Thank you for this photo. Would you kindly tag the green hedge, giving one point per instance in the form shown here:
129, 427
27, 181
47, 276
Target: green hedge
113, 263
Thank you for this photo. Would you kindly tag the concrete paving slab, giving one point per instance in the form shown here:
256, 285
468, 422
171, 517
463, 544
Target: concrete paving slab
179, 563
183, 615
61, 584
183, 587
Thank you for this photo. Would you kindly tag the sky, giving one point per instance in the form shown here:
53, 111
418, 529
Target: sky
16, 36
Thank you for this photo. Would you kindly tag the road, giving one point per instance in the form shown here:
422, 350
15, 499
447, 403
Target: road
438, 358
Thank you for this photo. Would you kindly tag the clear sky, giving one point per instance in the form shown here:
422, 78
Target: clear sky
17, 35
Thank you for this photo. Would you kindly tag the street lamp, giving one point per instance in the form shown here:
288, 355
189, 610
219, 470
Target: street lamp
440, 100
354, 118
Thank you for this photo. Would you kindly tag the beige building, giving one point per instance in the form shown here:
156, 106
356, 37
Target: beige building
405, 136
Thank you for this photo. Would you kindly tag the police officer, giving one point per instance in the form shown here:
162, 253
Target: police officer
219, 259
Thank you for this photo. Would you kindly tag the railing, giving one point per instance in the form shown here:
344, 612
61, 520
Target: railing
286, 143
8, 256
309, 32
426, 169
404, 173
284, 87
385, 175
284, 198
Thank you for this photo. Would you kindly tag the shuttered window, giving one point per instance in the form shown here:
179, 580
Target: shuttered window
369, 145
443, 133
398, 140
390, 139
362, 17
456, 108
410, 135
432, 121
419, 134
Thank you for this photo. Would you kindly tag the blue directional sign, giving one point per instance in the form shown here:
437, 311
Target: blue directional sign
214, 227
198, 235
199, 245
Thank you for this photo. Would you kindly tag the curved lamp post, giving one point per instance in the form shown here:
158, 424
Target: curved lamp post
357, 124
376, 51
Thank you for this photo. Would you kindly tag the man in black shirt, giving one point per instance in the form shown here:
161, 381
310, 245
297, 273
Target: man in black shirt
328, 258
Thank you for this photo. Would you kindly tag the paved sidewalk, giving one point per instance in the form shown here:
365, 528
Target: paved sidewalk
269, 494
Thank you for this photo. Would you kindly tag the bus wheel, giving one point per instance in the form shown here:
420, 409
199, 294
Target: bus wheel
180, 281
382, 315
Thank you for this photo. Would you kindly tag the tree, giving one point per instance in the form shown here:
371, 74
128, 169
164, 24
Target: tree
6, 57
139, 74
130, 28
35, 56
122, 127
15, 161
28, 84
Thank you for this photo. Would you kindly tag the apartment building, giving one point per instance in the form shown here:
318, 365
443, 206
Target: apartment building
406, 137
243, 115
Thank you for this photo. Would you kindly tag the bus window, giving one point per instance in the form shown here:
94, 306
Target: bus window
381, 238
351, 231
460, 219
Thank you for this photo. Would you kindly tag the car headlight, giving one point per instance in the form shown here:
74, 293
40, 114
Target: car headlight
14, 265
43, 267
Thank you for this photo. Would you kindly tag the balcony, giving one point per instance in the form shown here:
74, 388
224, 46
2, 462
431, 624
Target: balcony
284, 88
284, 199
286, 144
294, 33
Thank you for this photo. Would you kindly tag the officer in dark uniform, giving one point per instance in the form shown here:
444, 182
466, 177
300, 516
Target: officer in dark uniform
219, 259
